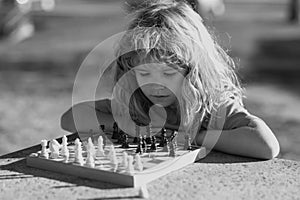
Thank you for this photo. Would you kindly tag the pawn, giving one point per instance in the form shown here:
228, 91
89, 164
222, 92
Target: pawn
115, 134
135, 140
125, 142
44, 152
78, 152
100, 151
90, 147
114, 162
65, 150
130, 168
144, 144
153, 144
125, 160
138, 165
121, 137
187, 143
112, 153
163, 140
90, 161
139, 149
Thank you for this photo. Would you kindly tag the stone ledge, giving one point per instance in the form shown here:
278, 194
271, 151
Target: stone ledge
218, 176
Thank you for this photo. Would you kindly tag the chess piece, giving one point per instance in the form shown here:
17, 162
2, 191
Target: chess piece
102, 129
121, 137
78, 152
174, 138
138, 165
44, 152
114, 162
187, 143
115, 134
112, 153
139, 149
65, 150
54, 149
125, 142
163, 140
144, 144
90, 161
100, 151
90, 147
153, 144
130, 168
135, 140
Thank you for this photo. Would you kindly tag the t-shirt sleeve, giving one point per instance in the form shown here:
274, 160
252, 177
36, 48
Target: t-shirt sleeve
236, 115
103, 105
229, 115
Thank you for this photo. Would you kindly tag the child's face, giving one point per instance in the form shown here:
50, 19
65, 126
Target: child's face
159, 82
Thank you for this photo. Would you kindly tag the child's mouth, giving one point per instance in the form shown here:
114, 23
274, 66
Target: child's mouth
159, 96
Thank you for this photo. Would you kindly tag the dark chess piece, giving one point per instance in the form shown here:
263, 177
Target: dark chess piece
163, 140
148, 140
187, 143
135, 140
125, 142
144, 143
121, 137
102, 127
173, 138
139, 149
153, 144
115, 134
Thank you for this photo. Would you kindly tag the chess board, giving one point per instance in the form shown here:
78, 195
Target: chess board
155, 164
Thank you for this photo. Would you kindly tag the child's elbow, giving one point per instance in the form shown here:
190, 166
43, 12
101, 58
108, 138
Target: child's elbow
271, 147
272, 150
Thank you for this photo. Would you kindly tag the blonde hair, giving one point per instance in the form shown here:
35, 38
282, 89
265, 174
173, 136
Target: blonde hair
172, 32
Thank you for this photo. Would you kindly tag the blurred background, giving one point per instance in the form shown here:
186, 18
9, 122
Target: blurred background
43, 43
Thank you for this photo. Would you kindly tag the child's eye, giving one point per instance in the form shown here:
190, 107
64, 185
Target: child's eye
144, 74
169, 73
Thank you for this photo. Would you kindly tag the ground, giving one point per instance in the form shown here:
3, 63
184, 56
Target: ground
36, 76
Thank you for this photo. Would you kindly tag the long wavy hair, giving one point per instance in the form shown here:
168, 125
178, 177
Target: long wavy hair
169, 31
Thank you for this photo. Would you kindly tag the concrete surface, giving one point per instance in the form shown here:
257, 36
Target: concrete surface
218, 176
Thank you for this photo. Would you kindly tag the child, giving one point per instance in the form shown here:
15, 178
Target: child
168, 59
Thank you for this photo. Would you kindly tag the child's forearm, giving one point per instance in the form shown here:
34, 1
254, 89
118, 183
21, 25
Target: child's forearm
257, 141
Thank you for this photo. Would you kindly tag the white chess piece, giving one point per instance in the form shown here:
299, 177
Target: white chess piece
90, 148
130, 168
125, 160
100, 151
112, 152
138, 165
65, 150
90, 162
54, 148
114, 162
78, 152
44, 152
